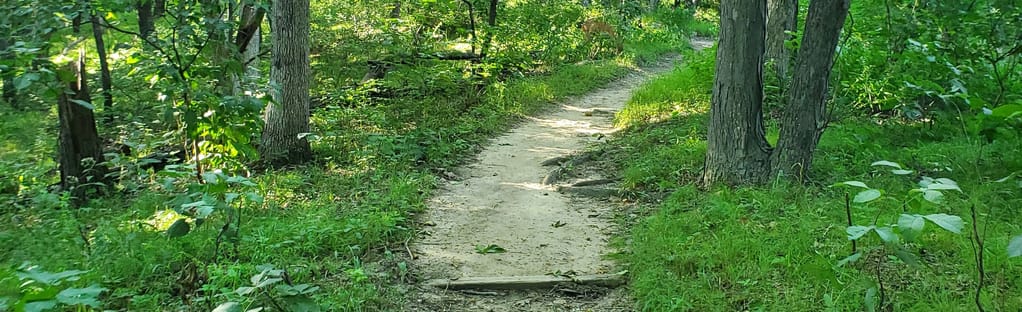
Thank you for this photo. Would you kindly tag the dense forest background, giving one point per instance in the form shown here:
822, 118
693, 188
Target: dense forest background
139, 168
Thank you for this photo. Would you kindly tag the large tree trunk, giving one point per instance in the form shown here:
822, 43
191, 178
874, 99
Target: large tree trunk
287, 117
782, 16
737, 149
146, 25
804, 118
104, 68
79, 139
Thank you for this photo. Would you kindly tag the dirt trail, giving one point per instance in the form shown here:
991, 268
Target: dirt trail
500, 200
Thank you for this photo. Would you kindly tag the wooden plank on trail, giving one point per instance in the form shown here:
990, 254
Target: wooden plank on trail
527, 282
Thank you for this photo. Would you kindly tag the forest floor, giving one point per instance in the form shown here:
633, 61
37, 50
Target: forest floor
526, 207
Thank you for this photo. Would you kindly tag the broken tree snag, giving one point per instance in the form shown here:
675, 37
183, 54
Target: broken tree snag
80, 149
527, 282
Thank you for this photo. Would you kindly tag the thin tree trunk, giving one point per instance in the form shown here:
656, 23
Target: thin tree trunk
79, 139
146, 25
491, 23
737, 149
395, 12
782, 17
104, 67
804, 119
159, 8
248, 41
10, 95
287, 117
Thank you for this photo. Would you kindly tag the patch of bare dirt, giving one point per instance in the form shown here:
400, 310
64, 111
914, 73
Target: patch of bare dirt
501, 199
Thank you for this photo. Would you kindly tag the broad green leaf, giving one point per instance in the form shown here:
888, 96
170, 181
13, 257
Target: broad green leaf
230, 197
911, 226
849, 259
211, 177
35, 274
1015, 247
301, 304
901, 171
906, 256
867, 196
951, 223
85, 104
179, 228
925, 181
245, 290
268, 282
887, 235
81, 296
871, 299
24, 81
932, 196
202, 212
857, 231
886, 163
1006, 110
229, 307
40, 306
853, 183
942, 187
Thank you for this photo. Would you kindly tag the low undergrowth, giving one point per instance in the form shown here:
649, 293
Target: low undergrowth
785, 246
329, 234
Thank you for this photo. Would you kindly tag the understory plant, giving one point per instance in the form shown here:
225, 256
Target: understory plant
905, 230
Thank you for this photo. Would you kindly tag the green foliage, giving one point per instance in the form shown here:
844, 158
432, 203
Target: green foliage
785, 247
272, 288
31, 289
169, 233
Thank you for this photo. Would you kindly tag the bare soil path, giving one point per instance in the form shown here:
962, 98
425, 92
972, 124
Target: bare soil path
501, 200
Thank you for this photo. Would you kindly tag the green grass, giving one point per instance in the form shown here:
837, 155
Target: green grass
338, 223
776, 247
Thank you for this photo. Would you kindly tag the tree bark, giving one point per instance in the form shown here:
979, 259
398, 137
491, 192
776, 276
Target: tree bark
287, 117
782, 16
104, 68
491, 23
146, 24
159, 8
79, 140
395, 12
10, 95
804, 118
737, 149
248, 41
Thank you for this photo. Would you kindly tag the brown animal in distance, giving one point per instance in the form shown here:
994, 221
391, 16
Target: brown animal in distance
594, 29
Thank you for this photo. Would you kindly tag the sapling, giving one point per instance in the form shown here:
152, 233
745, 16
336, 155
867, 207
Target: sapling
908, 226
